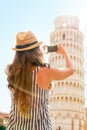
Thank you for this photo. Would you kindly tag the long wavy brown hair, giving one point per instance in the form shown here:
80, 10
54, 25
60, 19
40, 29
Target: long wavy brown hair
19, 75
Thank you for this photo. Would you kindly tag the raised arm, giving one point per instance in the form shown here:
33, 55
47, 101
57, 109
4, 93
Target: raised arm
47, 75
62, 73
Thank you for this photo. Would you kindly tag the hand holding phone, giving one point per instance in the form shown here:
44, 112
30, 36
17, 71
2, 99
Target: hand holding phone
49, 49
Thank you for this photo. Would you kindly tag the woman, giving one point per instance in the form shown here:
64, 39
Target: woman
29, 79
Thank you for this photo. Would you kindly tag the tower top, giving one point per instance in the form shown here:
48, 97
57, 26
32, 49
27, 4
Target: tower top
67, 21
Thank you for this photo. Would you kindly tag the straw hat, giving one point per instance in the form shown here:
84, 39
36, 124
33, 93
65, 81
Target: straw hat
26, 41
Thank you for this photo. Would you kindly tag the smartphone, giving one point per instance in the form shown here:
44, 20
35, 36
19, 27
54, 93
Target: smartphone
52, 49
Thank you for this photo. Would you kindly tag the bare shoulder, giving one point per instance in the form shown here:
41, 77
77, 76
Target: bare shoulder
43, 77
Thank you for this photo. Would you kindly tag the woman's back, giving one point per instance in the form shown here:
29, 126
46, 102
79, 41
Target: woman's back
38, 117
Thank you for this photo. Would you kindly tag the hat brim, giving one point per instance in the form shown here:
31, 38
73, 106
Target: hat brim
27, 48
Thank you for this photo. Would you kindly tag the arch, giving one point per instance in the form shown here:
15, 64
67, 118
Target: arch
75, 99
62, 98
66, 98
57, 98
70, 98
63, 36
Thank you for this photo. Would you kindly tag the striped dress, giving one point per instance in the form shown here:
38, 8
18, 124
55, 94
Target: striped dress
40, 118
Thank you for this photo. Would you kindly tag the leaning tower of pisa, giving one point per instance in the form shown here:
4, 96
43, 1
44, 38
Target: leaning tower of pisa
67, 101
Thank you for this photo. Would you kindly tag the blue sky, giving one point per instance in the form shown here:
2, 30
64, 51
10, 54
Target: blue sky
38, 16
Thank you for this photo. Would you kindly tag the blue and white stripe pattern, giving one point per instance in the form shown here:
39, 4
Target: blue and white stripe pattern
40, 119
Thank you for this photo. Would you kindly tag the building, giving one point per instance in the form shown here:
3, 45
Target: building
86, 119
3, 118
67, 101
